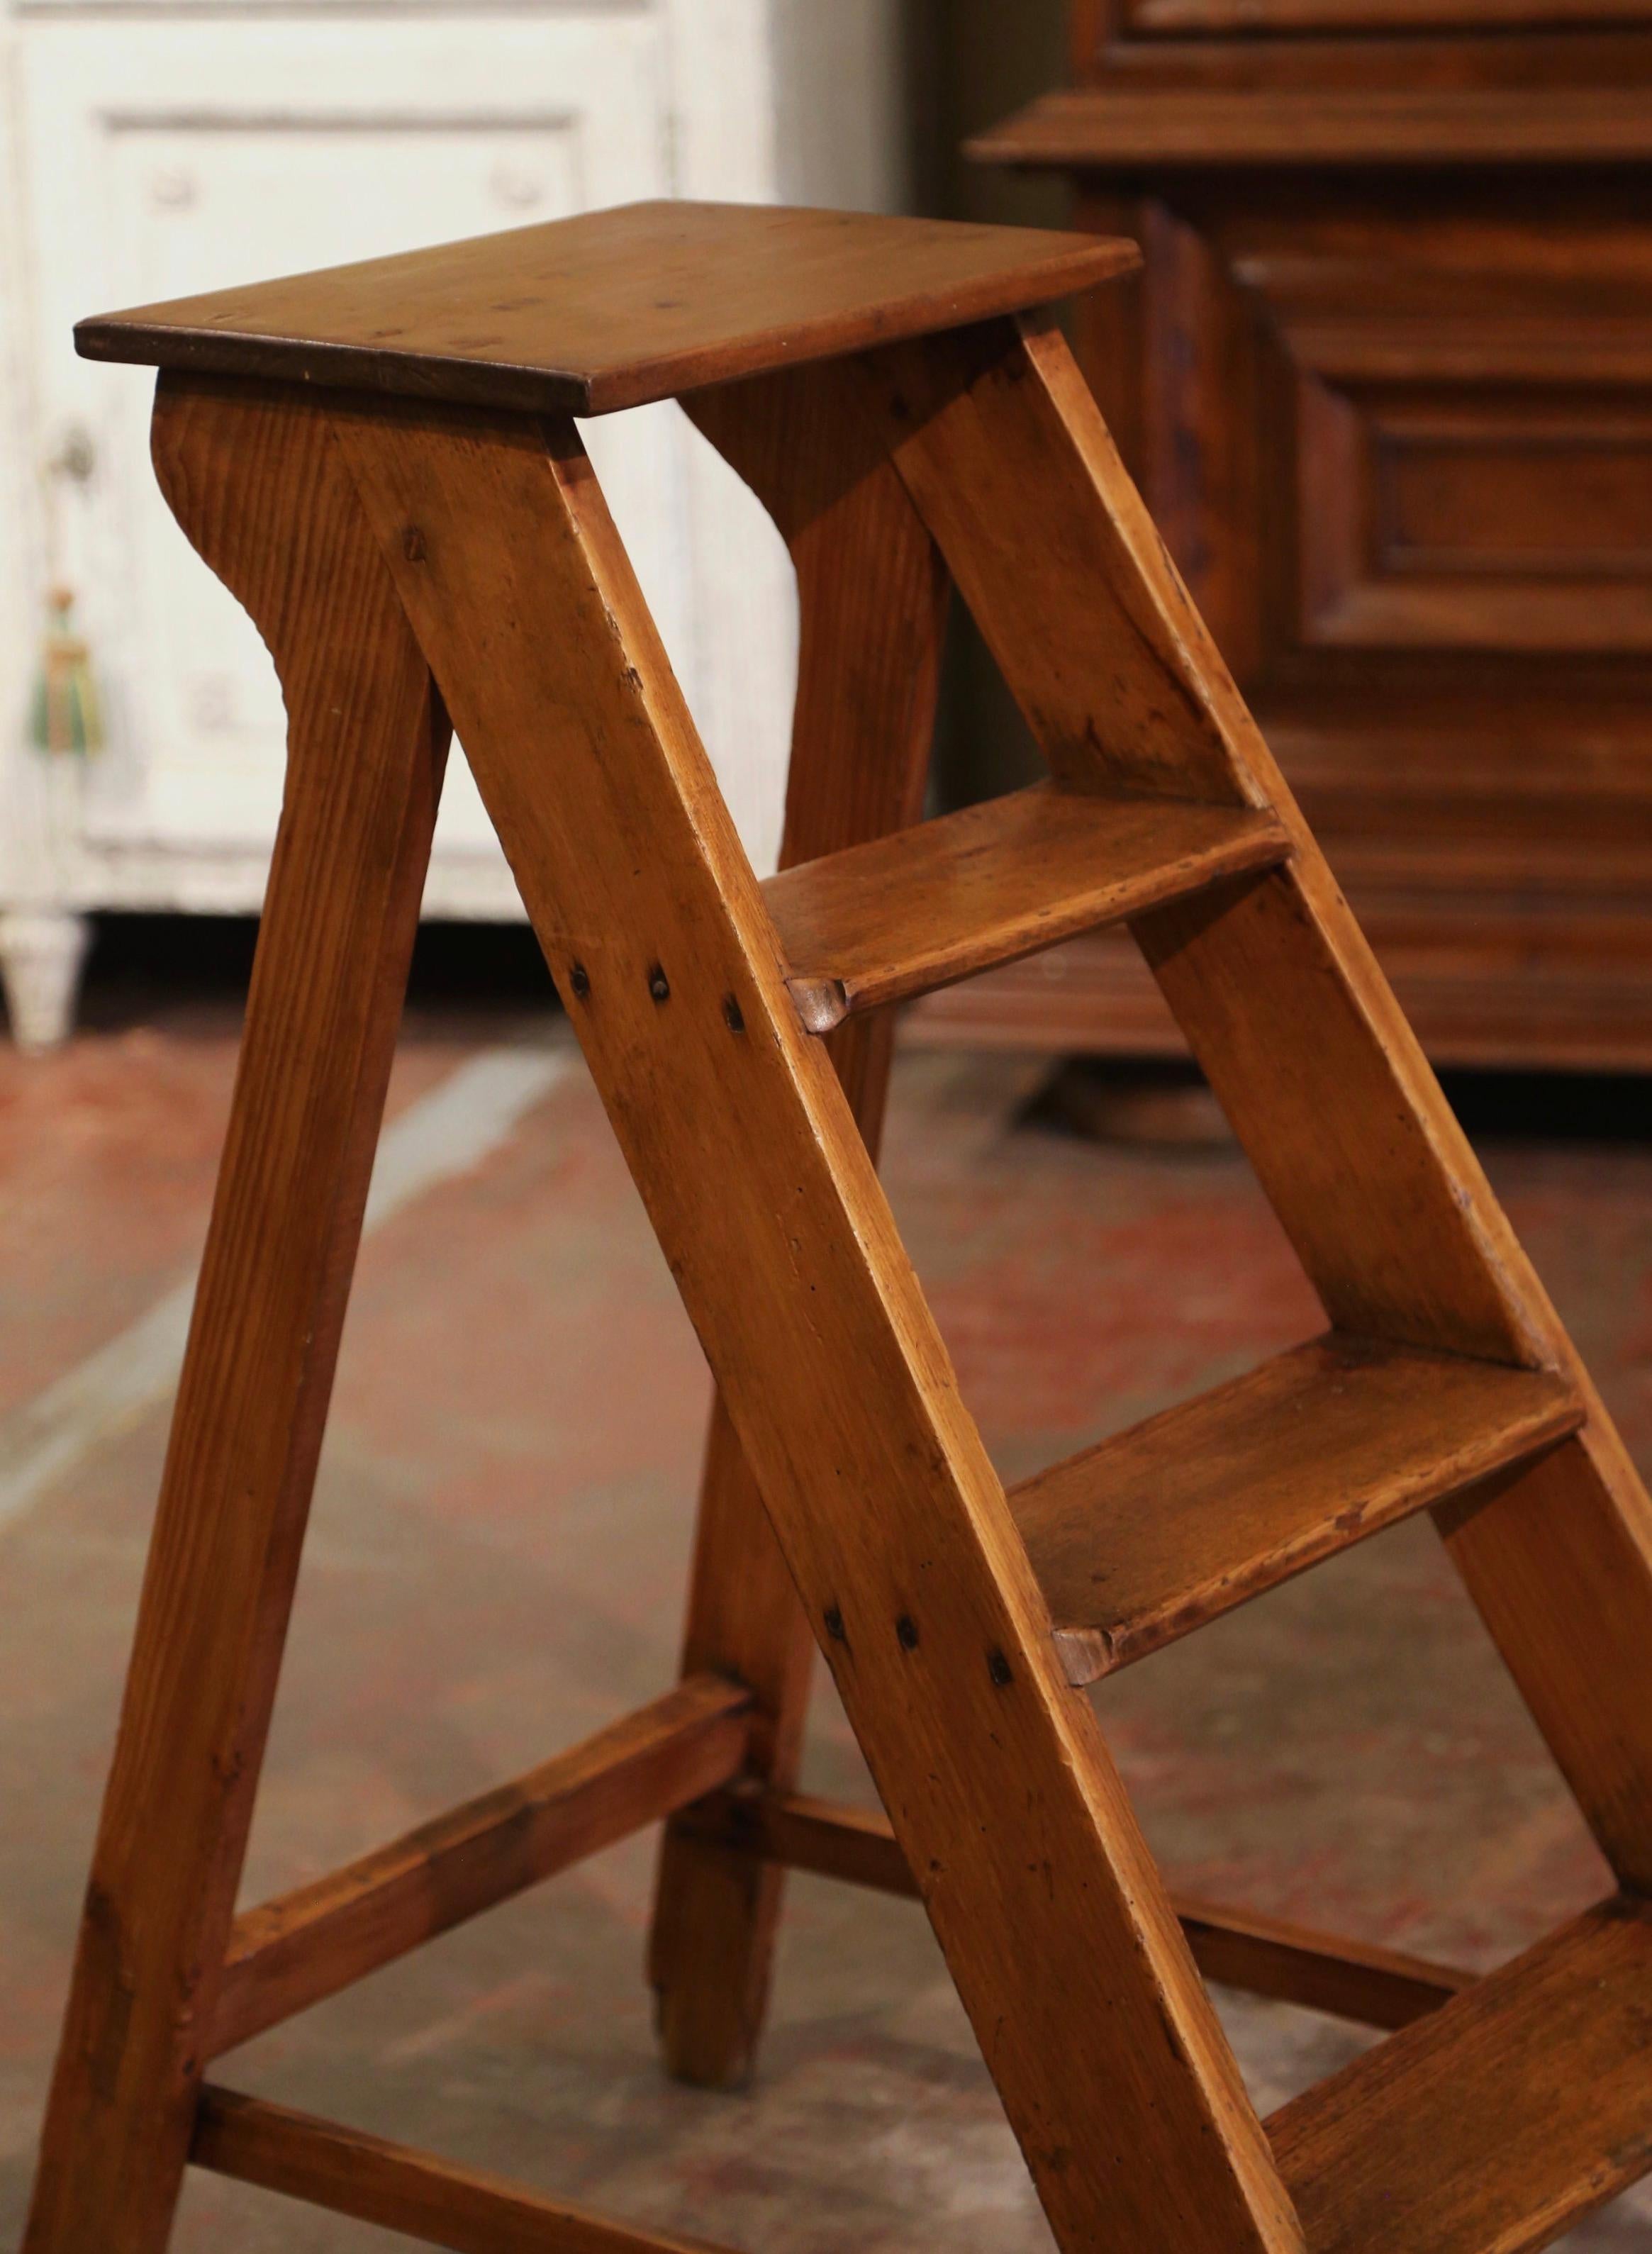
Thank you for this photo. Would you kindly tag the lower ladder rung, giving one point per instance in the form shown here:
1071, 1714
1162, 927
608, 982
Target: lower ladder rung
1178, 1520
1262, 1956
1492, 2126
401, 2189
293, 1952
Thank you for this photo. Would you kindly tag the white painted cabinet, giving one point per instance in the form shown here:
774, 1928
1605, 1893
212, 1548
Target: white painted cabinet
156, 150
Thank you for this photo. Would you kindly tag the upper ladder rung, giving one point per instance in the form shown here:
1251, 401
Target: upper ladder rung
1492, 2125
927, 906
1165, 1526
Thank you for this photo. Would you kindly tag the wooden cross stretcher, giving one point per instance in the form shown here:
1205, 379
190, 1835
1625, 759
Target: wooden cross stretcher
382, 462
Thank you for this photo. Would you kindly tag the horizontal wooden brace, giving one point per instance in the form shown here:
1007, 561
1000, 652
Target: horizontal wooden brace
399, 2188
1324, 1972
292, 1952
1263, 1955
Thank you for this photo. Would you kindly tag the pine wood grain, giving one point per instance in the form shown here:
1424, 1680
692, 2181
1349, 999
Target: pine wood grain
346, 521
612, 308
1284, 1006
1066, 1956
1261, 1956
258, 485
400, 2189
1559, 1558
904, 915
1491, 2126
1005, 456
1394, 1223
872, 600
290, 1953
1164, 1526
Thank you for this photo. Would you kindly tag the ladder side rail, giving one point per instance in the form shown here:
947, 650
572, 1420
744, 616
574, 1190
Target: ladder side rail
1113, 2068
258, 485
872, 598
1009, 463
1005, 453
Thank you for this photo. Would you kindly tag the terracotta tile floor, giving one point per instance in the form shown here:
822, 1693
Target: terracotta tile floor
495, 1568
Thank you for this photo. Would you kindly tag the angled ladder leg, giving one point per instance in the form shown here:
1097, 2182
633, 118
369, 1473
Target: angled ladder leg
1285, 1009
872, 598
385, 544
1103, 2044
260, 487
1444, 2142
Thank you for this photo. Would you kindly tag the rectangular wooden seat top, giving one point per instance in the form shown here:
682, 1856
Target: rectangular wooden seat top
611, 309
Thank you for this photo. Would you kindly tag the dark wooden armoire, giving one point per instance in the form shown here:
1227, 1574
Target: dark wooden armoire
1386, 379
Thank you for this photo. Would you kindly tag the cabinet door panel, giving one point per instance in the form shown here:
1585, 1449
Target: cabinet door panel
1461, 517
165, 159
1461, 416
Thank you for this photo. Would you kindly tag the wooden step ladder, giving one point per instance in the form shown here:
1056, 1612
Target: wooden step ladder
380, 461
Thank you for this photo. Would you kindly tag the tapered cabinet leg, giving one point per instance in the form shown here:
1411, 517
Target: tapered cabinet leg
872, 595
257, 483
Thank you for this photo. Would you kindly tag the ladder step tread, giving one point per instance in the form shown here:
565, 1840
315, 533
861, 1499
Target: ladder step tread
925, 906
1166, 1526
1492, 2125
